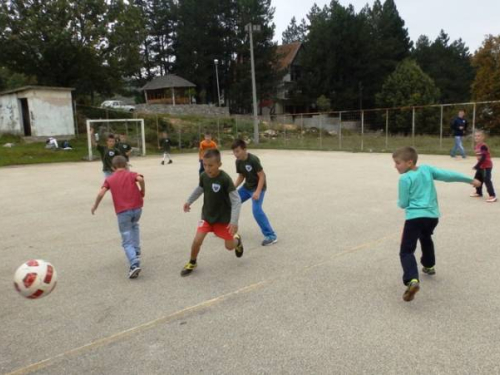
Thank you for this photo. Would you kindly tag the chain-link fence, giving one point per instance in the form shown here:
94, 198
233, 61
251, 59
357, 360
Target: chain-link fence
428, 128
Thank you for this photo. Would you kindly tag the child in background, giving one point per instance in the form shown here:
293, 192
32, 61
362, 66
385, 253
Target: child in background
123, 146
220, 212
205, 145
107, 152
128, 202
250, 171
483, 168
166, 145
417, 195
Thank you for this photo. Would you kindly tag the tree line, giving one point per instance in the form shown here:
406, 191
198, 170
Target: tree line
350, 59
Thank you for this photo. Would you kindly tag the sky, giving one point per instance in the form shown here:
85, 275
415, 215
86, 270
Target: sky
466, 19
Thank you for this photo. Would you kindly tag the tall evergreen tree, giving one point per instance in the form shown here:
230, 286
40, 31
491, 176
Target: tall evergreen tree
258, 12
205, 32
390, 44
295, 32
337, 56
448, 64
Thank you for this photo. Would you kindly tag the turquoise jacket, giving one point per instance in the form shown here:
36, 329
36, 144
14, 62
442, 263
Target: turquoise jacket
417, 193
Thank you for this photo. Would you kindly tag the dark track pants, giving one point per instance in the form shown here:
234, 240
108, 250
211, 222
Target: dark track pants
420, 229
484, 175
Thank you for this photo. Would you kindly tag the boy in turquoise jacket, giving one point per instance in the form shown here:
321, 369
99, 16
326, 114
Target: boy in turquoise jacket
417, 196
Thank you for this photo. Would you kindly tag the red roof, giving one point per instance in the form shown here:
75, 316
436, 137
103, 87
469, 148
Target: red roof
286, 54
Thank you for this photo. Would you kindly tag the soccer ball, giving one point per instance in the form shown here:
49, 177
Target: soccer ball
35, 279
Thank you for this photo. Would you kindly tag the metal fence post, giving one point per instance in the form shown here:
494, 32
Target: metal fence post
386, 129
413, 126
441, 129
340, 130
157, 132
320, 131
302, 130
473, 124
180, 138
362, 130
218, 132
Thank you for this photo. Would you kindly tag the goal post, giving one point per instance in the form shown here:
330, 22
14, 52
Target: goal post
120, 126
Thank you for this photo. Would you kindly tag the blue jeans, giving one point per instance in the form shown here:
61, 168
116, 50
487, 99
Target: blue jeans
107, 174
258, 213
202, 168
128, 223
458, 147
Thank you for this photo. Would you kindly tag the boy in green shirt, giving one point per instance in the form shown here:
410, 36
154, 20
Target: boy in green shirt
417, 195
250, 170
123, 146
220, 212
107, 152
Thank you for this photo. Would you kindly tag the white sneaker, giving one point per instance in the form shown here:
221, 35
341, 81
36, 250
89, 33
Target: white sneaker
475, 195
491, 199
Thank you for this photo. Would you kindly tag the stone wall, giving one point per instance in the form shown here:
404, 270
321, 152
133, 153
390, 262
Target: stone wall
182, 110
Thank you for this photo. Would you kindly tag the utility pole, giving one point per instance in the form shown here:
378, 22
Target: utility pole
250, 29
216, 62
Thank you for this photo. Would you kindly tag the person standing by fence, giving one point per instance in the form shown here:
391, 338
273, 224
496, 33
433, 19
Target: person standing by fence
459, 127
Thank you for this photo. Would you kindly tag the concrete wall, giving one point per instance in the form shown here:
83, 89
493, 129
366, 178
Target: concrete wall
51, 112
10, 115
198, 109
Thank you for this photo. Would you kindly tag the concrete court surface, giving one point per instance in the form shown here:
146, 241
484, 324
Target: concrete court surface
325, 300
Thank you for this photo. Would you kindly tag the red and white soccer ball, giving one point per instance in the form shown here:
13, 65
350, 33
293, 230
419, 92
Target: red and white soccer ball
35, 279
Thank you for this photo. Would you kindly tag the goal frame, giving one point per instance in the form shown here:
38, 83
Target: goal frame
140, 120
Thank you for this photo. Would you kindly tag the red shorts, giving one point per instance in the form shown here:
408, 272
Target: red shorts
220, 230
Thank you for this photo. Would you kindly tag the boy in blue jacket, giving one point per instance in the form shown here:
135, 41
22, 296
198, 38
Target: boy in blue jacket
417, 196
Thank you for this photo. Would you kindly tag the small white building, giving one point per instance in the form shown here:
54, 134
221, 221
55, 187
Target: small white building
37, 111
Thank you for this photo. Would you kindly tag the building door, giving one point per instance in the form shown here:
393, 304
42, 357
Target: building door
25, 111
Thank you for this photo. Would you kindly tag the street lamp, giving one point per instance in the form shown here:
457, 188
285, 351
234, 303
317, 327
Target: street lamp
216, 62
249, 28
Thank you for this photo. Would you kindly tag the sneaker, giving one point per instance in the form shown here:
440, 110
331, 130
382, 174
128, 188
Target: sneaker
269, 240
239, 248
163, 162
429, 271
170, 162
134, 272
411, 290
491, 199
475, 195
188, 268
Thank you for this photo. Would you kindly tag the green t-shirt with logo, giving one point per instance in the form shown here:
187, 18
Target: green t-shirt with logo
107, 155
249, 169
166, 144
216, 201
124, 148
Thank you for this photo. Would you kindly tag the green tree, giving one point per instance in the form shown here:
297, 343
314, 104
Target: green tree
258, 12
389, 46
295, 32
409, 86
87, 44
205, 31
448, 64
486, 85
337, 57
160, 22
9, 80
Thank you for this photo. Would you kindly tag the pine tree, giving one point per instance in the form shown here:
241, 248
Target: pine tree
295, 32
448, 64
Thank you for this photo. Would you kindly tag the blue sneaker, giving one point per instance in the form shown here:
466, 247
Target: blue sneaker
269, 240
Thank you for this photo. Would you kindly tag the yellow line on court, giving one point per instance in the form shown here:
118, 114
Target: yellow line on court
168, 318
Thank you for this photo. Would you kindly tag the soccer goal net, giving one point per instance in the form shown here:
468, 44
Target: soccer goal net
130, 131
